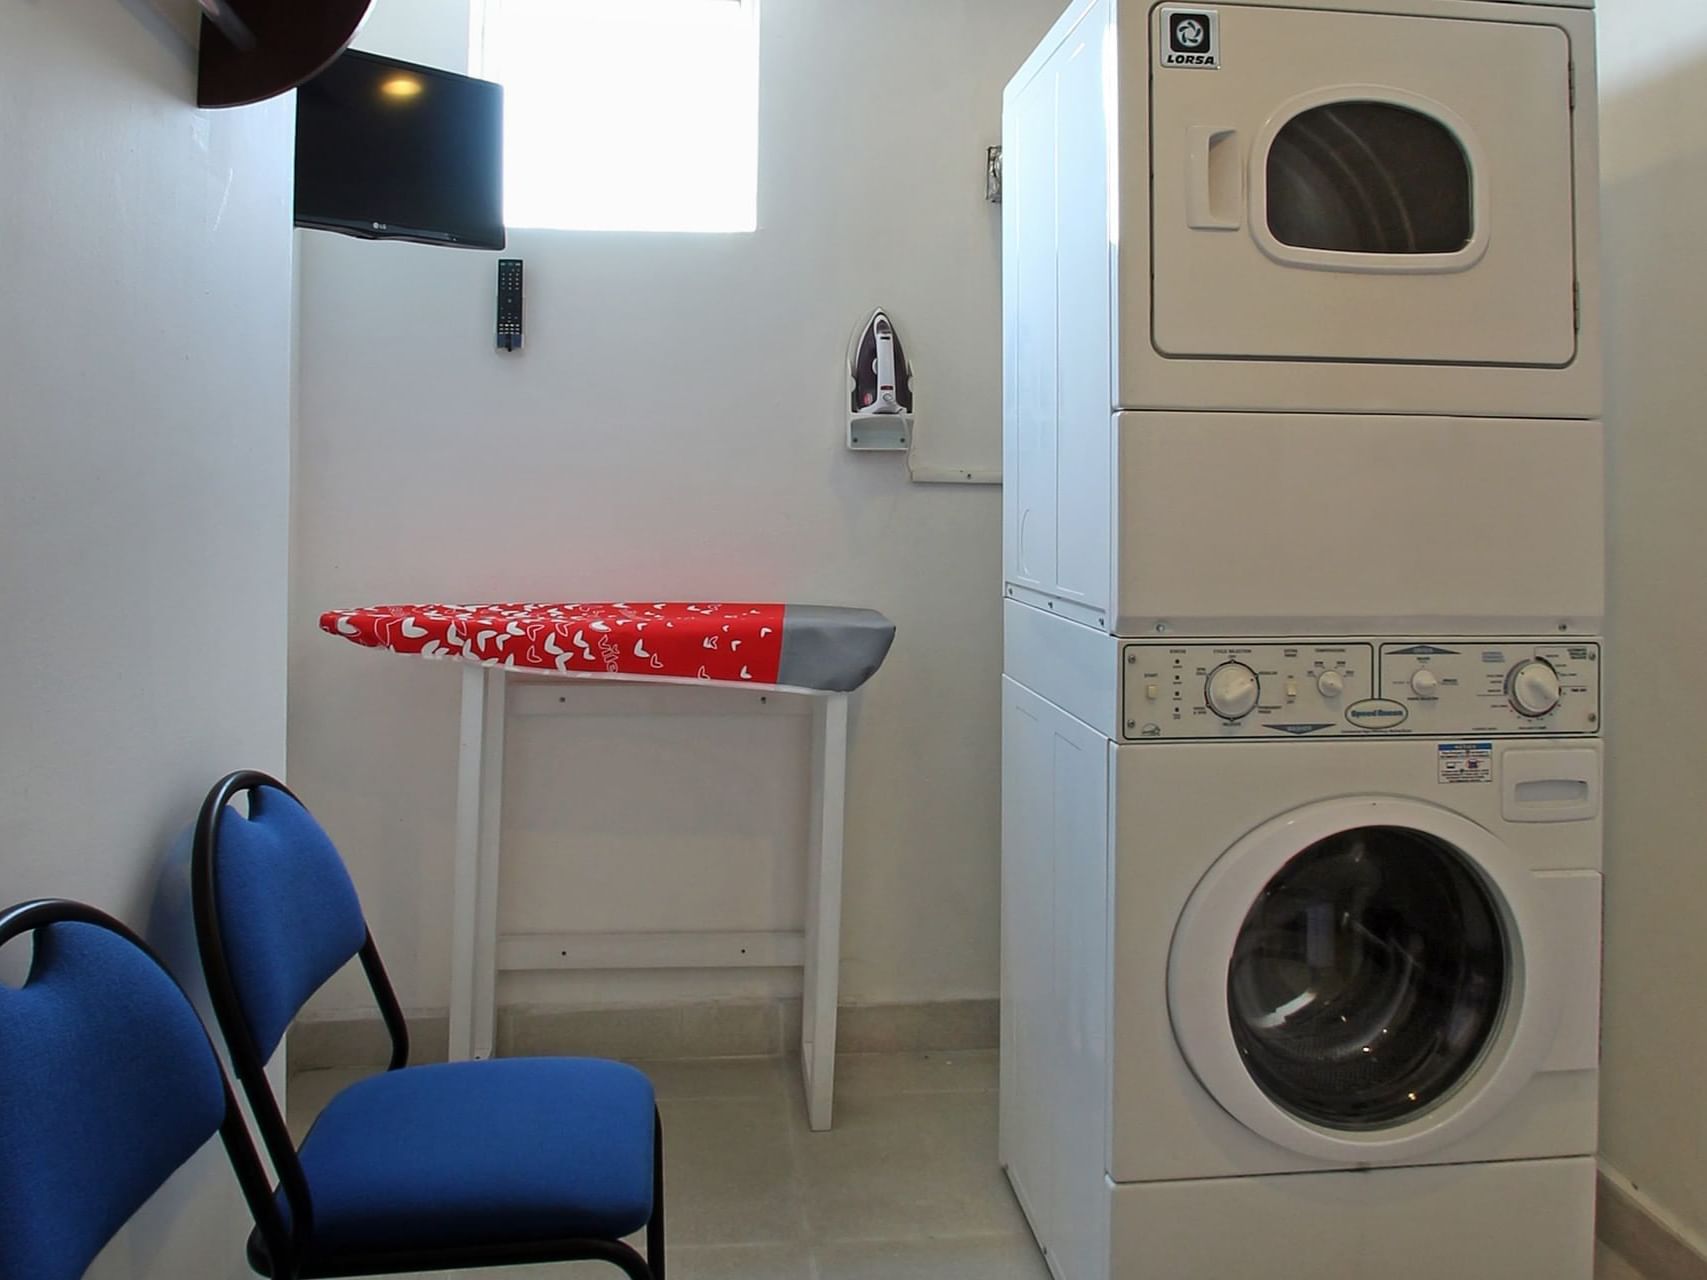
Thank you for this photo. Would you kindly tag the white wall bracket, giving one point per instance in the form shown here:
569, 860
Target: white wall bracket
892, 431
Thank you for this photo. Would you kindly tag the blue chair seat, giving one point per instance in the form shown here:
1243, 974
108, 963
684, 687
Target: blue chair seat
465, 1153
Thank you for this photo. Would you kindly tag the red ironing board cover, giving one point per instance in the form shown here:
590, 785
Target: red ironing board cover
728, 642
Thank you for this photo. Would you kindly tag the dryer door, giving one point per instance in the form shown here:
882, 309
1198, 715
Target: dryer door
1353, 186
1355, 982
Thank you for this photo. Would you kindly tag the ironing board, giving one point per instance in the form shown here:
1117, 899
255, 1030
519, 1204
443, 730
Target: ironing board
819, 652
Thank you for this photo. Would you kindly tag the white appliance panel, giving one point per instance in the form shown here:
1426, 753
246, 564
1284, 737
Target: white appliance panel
1378, 188
1530, 1220
1464, 1059
1220, 691
1302, 689
1055, 966
1057, 311
1180, 807
1499, 687
1299, 524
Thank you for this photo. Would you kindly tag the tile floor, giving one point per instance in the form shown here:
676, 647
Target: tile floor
906, 1186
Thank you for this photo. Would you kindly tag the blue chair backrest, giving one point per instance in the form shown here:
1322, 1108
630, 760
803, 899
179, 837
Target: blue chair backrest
288, 913
107, 1085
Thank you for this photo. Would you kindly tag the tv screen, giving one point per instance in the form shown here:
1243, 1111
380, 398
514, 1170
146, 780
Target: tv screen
389, 150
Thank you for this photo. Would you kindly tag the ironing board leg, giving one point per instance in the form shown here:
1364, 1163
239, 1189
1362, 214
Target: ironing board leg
824, 907
474, 911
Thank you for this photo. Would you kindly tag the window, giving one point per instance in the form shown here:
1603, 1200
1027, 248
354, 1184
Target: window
1369, 177
1368, 978
629, 115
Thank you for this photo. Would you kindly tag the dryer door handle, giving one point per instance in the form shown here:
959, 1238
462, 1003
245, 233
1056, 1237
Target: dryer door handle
1214, 180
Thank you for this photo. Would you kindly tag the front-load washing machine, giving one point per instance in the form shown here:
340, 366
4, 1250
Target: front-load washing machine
1304, 982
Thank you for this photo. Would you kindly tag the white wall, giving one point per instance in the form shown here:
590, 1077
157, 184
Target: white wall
671, 431
144, 334
1654, 81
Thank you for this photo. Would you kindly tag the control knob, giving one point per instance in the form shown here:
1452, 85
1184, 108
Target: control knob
1425, 684
1330, 684
1533, 688
1232, 691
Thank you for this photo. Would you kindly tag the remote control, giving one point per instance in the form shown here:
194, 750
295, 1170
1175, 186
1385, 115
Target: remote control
509, 304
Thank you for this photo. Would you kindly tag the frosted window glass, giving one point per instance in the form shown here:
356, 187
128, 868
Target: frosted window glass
627, 115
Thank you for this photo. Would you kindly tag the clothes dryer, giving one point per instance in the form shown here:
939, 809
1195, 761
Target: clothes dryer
1382, 206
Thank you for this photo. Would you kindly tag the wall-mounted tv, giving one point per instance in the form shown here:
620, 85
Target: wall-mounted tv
388, 150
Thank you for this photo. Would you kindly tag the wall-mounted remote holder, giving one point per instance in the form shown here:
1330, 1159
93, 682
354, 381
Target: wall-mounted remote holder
510, 304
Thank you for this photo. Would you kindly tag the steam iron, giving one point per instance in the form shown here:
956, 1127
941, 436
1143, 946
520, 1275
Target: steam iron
882, 378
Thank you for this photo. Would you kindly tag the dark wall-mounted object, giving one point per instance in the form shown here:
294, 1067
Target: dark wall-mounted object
390, 150
252, 50
510, 336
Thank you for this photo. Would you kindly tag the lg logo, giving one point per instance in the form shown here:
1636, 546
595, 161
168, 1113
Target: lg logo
1190, 38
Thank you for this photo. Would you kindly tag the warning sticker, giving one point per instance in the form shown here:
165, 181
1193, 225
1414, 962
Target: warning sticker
1191, 38
1466, 762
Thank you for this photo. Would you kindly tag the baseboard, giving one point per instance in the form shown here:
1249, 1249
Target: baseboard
723, 1029
318, 1044
1630, 1224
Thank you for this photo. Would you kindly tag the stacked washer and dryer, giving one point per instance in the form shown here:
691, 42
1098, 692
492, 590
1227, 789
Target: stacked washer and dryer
1304, 561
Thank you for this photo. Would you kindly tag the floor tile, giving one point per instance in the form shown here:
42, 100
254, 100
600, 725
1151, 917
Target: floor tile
730, 1175
976, 1258
865, 1074
741, 1262
676, 1080
906, 1166
906, 1185
702, 1262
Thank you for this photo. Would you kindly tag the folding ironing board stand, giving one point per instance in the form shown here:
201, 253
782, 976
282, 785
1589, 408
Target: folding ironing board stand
820, 653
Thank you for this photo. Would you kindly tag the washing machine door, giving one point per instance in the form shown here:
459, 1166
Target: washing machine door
1354, 186
1356, 981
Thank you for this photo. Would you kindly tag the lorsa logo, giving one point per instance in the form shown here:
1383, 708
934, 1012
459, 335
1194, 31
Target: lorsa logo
1190, 38
1190, 32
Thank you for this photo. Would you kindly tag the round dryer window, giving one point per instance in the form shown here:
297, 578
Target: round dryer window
1370, 177
1367, 978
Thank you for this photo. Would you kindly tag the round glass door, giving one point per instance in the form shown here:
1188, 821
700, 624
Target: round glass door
1370, 178
1367, 978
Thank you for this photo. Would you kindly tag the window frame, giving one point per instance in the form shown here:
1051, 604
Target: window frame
1475, 155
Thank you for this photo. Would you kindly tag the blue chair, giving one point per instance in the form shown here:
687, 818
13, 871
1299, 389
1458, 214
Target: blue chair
108, 1083
430, 1168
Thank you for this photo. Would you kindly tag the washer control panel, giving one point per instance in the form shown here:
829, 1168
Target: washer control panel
1242, 690
1500, 687
1311, 689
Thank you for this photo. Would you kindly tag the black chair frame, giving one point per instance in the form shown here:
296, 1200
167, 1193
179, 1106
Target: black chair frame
26, 918
286, 1251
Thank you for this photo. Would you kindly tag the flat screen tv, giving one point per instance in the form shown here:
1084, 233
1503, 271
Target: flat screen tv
388, 150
